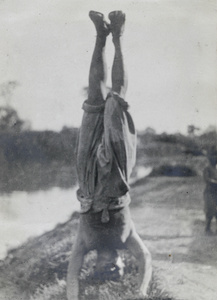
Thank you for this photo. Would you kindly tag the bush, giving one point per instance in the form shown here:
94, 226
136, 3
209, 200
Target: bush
173, 171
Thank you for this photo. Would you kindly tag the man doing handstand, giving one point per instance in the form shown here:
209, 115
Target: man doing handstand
105, 158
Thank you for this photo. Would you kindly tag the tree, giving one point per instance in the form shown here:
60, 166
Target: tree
150, 130
10, 121
192, 129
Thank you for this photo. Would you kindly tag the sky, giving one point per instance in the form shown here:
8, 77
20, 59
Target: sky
170, 55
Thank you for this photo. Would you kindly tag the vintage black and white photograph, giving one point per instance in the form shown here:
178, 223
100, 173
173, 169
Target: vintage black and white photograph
108, 150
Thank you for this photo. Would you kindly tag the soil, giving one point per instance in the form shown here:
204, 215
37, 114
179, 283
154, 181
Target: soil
171, 223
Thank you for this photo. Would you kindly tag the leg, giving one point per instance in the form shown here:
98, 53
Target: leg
97, 73
92, 123
119, 78
208, 223
209, 209
143, 256
75, 264
216, 223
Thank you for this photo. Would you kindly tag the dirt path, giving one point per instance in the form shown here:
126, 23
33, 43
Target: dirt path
171, 223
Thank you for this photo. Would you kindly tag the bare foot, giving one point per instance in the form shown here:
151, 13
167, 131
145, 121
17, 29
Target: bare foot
117, 19
102, 27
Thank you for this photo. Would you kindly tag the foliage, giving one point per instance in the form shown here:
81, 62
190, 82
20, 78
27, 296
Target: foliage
32, 160
41, 159
10, 121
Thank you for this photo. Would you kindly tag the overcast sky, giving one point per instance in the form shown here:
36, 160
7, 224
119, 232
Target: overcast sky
170, 54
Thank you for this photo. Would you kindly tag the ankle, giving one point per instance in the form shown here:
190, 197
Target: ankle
101, 37
117, 41
100, 41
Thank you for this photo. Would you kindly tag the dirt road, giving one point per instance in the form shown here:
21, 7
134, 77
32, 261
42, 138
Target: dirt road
171, 223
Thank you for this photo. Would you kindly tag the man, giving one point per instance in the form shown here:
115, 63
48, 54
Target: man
105, 158
210, 192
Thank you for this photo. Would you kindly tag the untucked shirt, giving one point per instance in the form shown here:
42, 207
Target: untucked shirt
106, 154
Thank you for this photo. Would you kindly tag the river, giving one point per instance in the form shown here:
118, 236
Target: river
24, 215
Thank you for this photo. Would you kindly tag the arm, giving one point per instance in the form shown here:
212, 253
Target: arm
143, 256
75, 264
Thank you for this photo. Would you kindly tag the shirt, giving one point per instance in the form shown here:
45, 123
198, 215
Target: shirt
106, 154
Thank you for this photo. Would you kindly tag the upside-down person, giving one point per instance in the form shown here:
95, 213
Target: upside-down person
105, 158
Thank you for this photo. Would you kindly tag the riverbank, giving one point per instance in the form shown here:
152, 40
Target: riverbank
168, 213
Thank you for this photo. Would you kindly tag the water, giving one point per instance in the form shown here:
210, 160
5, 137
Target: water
24, 215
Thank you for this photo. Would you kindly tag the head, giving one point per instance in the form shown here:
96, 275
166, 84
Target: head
108, 259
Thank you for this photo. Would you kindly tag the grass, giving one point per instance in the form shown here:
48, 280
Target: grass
38, 270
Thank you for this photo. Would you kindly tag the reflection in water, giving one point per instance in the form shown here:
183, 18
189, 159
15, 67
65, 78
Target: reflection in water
24, 215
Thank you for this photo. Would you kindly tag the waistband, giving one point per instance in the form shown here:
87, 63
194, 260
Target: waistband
97, 205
